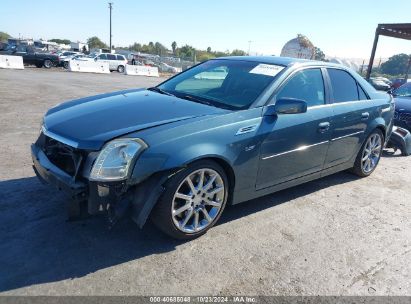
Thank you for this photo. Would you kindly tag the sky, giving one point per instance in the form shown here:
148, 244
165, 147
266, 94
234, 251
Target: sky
340, 28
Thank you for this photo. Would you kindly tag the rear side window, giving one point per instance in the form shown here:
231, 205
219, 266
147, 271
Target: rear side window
361, 93
307, 85
111, 57
343, 85
120, 57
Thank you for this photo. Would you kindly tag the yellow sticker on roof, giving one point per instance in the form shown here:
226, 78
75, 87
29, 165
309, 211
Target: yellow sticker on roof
267, 69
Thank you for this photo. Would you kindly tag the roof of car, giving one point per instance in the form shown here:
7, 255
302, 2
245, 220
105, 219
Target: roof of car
284, 61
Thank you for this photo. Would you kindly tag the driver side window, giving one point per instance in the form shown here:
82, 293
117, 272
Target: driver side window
307, 85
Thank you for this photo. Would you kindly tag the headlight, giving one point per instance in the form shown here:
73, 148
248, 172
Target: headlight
114, 161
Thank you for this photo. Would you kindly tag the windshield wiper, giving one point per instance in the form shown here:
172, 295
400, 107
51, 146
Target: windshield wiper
192, 98
158, 90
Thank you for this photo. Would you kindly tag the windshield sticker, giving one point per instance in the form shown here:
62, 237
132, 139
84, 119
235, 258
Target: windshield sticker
267, 69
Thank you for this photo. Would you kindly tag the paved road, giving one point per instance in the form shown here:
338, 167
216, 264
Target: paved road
337, 235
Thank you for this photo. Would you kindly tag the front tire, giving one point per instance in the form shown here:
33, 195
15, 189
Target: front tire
369, 155
193, 201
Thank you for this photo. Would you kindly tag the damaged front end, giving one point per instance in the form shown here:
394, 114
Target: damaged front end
81, 173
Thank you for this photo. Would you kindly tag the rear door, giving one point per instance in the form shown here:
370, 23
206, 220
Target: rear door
352, 110
112, 59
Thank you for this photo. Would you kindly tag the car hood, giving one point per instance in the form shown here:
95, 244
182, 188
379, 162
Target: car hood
402, 104
89, 122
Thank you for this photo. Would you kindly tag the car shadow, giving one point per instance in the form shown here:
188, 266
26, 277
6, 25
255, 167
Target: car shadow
39, 246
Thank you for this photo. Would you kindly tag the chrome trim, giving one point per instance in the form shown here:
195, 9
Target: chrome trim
348, 135
59, 138
247, 129
302, 148
387, 109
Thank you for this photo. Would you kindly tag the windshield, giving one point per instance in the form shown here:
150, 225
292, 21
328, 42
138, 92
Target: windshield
225, 83
403, 91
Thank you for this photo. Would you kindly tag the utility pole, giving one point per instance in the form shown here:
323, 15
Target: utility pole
249, 47
110, 6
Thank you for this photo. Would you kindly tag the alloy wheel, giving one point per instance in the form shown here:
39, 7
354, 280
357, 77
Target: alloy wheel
198, 200
371, 153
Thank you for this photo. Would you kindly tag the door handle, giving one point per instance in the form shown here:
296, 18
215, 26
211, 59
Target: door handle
324, 127
365, 115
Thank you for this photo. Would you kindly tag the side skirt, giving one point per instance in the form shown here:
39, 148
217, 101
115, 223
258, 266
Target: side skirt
243, 196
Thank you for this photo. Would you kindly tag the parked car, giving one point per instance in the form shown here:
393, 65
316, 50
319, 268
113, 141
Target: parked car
402, 98
379, 84
165, 68
385, 80
67, 59
181, 151
64, 55
116, 62
398, 82
31, 56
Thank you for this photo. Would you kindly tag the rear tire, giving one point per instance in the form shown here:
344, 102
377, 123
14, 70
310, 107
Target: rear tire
369, 155
187, 209
66, 65
120, 69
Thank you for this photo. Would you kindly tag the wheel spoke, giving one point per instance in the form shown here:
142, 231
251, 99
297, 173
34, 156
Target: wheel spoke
183, 196
191, 185
206, 215
215, 190
182, 209
196, 220
210, 182
187, 218
210, 202
201, 181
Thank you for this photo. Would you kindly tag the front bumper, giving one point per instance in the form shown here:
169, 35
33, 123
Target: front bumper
98, 196
115, 198
48, 173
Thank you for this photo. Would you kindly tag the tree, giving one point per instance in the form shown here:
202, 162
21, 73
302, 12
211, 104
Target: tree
318, 54
60, 41
160, 49
395, 65
95, 43
135, 47
203, 56
187, 52
209, 50
238, 53
4, 36
174, 47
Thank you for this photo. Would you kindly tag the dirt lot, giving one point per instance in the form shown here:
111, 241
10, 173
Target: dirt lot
340, 235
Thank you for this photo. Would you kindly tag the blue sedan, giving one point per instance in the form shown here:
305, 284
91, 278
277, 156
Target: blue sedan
223, 132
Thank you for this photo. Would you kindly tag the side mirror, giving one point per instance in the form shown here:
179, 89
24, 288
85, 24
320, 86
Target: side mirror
95, 59
286, 106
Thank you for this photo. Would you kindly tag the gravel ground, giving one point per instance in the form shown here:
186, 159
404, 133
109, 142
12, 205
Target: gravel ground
339, 235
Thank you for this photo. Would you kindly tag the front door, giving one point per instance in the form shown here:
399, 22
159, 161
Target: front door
296, 144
